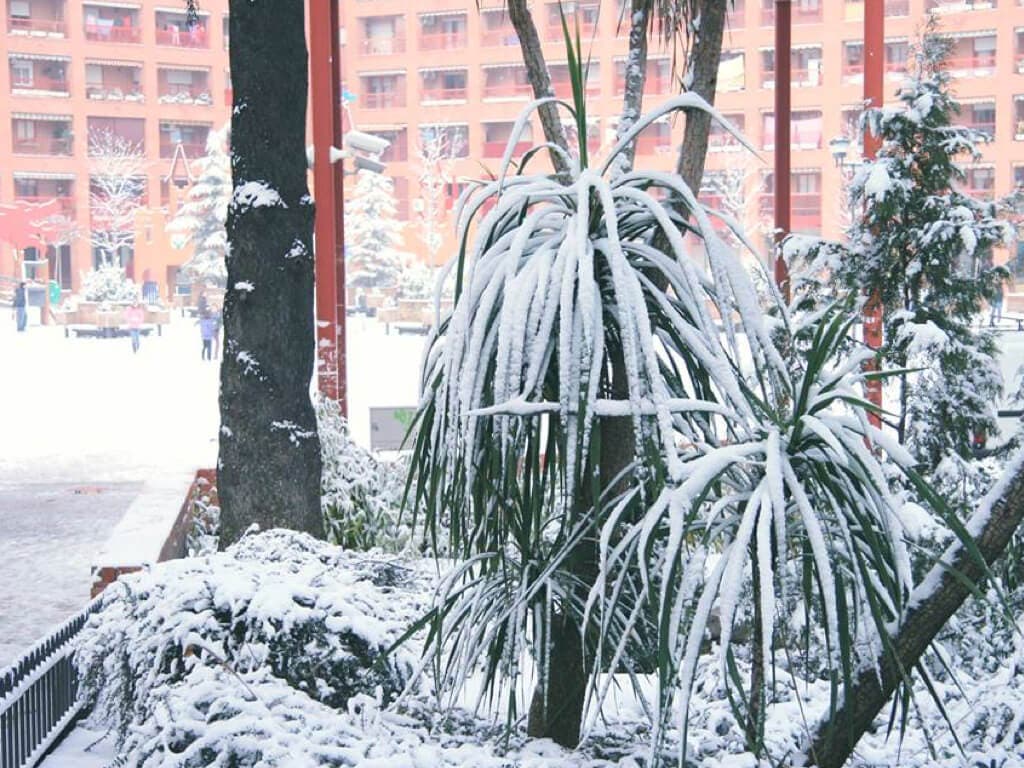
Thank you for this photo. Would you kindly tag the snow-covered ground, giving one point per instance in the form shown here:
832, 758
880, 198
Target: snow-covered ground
85, 422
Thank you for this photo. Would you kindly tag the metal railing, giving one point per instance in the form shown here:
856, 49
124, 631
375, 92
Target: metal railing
39, 696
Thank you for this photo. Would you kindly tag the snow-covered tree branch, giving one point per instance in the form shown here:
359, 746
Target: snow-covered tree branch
117, 186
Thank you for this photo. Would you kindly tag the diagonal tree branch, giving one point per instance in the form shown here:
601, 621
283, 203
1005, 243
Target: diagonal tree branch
936, 600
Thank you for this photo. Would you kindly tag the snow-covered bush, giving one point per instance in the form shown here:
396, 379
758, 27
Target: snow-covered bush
361, 495
278, 611
417, 281
108, 283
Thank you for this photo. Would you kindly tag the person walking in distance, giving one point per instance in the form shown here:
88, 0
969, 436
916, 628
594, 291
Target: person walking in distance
207, 330
20, 310
134, 316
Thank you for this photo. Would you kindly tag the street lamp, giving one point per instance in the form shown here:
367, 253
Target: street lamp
839, 146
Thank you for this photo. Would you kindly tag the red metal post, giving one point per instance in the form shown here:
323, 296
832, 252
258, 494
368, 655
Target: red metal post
783, 83
874, 96
328, 228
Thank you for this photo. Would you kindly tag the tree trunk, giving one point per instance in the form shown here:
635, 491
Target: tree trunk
836, 737
703, 61
539, 77
269, 465
636, 78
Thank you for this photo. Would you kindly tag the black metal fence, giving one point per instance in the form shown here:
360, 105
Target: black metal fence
39, 696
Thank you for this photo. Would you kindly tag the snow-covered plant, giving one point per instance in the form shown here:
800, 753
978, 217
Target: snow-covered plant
373, 233
360, 495
417, 281
922, 246
277, 607
200, 220
108, 283
754, 479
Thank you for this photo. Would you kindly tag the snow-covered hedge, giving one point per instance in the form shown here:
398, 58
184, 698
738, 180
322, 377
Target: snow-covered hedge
220, 652
108, 283
361, 495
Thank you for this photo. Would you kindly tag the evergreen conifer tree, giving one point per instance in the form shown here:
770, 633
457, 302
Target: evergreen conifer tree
201, 218
923, 246
373, 231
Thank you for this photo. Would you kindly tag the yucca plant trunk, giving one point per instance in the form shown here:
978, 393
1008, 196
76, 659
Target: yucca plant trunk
269, 466
836, 736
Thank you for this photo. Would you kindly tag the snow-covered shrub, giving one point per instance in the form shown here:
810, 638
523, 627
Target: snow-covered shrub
417, 281
373, 232
108, 283
278, 608
203, 535
360, 495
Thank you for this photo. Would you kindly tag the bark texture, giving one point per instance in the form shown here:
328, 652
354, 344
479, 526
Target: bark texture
269, 465
636, 78
836, 737
539, 77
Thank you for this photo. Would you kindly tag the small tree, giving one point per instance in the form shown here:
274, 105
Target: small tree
373, 233
923, 246
435, 157
200, 220
117, 184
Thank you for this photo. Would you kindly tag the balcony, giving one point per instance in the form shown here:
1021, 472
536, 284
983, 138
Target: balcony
382, 45
45, 145
801, 78
38, 78
65, 203
179, 36
443, 94
192, 149
507, 90
184, 86
735, 17
113, 82
496, 149
976, 65
496, 30
802, 13
805, 211
442, 41
109, 33
383, 99
21, 25
650, 144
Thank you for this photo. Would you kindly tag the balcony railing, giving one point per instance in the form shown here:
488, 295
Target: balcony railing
856, 71
17, 25
503, 36
801, 78
563, 88
41, 84
989, 129
110, 34
383, 46
65, 204
554, 32
497, 148
651, 85
383, 100
649, 145
978, 65
805, 210
192, 149
183, 38
114, 93
508, 91
185, 94
897, 7
442, 41
719, 141
444, 94
800, 15
43, 146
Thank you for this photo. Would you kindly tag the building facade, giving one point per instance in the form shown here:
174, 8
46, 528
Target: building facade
80, 70
445, 67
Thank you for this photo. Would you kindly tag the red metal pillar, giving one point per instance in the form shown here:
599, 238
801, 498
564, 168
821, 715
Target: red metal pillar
328, 228
874, 97
783, 83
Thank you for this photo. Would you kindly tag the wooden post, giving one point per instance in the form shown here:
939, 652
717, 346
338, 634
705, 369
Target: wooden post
783, 67
874, 97
328, 228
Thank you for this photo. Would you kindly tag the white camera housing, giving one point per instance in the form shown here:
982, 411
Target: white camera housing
366, 142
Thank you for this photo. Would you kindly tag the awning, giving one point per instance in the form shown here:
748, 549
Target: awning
105, 4
430, 126
184, 67
382, 127
40, 117
36, 57
383, 73
509, 65
433, 70
42, 176
168, 125
976, 33
441, 14
115, 63
179, 11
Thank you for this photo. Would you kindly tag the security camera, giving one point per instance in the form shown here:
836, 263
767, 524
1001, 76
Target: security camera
368, 164
366, 142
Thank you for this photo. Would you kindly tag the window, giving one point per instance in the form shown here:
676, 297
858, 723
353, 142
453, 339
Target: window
719, 138
21, 73
20, 9
731, 71
179, 77
981, 181
805, 130
93, 74
443, 84
383, 35
1018, 177
767, 130
24, 130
